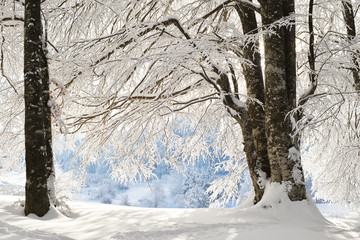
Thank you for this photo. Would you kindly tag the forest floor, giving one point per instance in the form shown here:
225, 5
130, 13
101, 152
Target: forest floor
86, 220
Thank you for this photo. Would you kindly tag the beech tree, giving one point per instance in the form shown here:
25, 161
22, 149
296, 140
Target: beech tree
38, 150
175, 63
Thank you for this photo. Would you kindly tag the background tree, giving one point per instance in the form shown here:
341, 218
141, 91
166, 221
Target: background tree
11, 57
333, 111
349, 18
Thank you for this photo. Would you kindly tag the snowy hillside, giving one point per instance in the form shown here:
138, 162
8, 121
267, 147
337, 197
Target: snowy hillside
295, 221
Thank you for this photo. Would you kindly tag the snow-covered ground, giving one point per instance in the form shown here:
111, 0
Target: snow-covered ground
295, 221
89, 219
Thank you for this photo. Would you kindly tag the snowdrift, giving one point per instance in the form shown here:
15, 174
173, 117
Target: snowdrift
284, 221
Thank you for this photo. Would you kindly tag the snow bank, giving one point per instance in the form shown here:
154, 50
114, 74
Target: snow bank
294, 221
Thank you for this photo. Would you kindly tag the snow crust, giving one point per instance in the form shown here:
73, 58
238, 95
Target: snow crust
282, 221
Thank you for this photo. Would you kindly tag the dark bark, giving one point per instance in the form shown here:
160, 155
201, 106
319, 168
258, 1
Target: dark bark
38, 152
290, 53
349, 18
312, 75
46, 116
280, 98
311, 60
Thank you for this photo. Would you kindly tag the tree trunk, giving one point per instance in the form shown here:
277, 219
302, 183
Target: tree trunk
280, 98
38, 152
46, 114
251, 155
349, 18
241, 115
255, 89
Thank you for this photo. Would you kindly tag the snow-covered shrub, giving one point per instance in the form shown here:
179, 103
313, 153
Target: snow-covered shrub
196, 180
9, 189
62, 206
66, 183
196, 197
156, 198
106, 200
105, 189
124, 200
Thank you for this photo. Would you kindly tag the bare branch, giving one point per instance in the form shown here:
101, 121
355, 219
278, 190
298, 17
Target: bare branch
311, 58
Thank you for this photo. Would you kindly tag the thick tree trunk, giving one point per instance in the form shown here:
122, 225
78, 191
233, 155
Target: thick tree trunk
280, 98
255, 89
252, 159
38, 152
241, 115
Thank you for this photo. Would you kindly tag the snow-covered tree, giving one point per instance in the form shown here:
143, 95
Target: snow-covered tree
171, 66
196, 180
332, 132
196, 198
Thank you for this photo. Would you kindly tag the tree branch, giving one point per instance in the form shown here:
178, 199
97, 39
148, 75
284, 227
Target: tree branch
11, 19
249, 4
311, 58
245, 3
